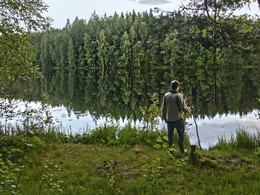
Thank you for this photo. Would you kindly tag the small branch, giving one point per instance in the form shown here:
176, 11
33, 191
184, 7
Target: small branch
197, 131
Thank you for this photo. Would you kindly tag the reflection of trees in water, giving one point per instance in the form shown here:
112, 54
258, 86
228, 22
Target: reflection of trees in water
122, 92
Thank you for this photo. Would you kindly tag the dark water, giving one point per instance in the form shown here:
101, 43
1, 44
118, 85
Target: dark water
224, 99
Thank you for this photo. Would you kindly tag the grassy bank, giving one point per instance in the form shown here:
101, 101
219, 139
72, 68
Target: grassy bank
112, 161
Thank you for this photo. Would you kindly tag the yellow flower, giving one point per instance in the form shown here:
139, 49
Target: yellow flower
59, 181
83, 188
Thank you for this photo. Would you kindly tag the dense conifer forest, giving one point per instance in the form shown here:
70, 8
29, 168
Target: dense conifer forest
150, 40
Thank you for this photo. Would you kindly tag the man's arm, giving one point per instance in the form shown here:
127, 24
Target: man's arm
164, 108
183, 105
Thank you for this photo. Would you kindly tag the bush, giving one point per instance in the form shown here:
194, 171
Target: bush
128, 136
106, 135
15, 147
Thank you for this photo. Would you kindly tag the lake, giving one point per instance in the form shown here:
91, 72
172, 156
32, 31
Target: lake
224, 99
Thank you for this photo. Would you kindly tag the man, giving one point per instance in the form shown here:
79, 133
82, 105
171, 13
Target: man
173, 107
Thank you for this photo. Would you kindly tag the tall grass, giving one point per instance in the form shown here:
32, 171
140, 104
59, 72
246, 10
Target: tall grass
242, 140
126, 136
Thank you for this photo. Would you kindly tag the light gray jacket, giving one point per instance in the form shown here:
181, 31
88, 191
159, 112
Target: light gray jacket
171, 111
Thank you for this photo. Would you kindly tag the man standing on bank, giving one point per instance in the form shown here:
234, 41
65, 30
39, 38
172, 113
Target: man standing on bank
173, 107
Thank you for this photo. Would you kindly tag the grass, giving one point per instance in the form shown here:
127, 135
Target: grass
240, 143
113, 161
91, 169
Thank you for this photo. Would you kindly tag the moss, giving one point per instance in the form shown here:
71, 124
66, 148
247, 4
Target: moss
208, 163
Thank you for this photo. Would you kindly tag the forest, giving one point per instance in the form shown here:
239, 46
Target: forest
120, 66
114, 64
150, 40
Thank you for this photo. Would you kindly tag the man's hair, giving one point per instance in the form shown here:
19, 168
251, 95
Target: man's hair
175, 84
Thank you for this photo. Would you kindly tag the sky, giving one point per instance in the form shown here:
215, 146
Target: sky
60, 10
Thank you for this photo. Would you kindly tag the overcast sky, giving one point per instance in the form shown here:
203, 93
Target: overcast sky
60, 10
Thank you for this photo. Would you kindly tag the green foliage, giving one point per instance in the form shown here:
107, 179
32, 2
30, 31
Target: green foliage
154, 175
111, 173
50, 182
147, 137
16, 148
156, 170
102, 135
8, 180
113, 135
208, 163
151, 114
128, 136
15, 153
163, 146
17, 20
257, 153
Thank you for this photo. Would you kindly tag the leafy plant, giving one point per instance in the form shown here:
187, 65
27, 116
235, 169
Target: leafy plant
49, 180
151, 114
8, 179
162, 145
154, 174
16, 152
155, 171
127, 136
257, 153
110, 172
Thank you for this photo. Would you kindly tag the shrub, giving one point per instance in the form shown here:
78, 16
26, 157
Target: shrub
106, 135
128, 136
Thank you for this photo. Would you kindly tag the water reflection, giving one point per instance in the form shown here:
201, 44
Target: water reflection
227, 125
209, 129
224, 99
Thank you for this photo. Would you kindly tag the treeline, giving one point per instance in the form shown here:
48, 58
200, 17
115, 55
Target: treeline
148, 40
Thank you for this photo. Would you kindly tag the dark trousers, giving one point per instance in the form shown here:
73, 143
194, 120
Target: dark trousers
179, 125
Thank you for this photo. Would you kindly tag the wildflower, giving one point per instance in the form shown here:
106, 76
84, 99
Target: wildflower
84, 189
